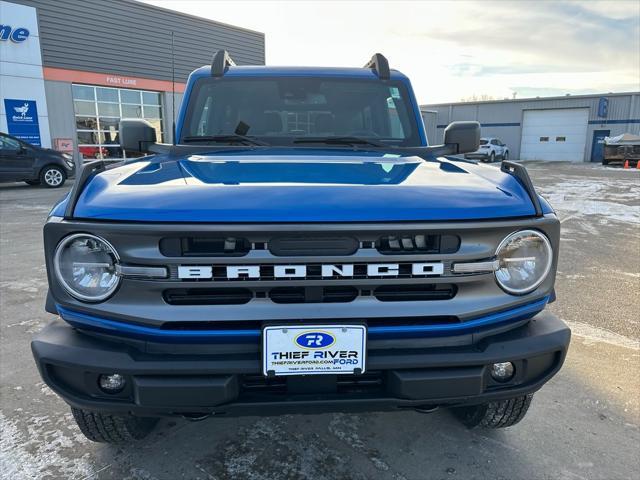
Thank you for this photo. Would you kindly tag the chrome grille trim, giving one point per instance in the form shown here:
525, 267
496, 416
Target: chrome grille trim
476, 267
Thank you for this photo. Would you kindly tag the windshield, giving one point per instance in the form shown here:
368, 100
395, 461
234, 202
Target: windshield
294, 110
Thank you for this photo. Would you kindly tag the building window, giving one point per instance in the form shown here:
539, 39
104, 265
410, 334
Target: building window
561, 139
98, 111
544, 139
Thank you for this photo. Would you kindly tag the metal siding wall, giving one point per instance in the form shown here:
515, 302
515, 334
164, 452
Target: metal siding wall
129, 38
464, 112
60, 104
634, 109
430, 120
621, 107
493, 118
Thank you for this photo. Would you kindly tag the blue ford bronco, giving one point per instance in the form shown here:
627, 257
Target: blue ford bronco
300, 248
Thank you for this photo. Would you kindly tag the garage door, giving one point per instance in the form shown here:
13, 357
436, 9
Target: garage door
558, 134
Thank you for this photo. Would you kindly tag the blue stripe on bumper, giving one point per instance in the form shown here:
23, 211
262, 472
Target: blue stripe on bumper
84, 321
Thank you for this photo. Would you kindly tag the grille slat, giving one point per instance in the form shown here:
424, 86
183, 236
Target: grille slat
208, 296
313, 294
412, 243
204, 247
313, 246
412, 293
297, 295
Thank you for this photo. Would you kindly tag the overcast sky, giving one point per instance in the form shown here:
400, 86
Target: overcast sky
453, 49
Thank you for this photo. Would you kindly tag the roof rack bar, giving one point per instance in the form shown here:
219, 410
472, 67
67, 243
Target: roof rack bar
520, 172
83, 174
380, 65
221, 60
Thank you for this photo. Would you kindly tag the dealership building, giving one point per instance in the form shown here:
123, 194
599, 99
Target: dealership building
569, 128
69, 70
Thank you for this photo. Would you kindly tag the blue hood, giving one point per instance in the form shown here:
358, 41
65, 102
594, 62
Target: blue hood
301, 185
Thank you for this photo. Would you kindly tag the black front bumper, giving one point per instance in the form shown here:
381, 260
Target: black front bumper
225, 378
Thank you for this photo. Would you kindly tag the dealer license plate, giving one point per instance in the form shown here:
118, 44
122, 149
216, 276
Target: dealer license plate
314, 349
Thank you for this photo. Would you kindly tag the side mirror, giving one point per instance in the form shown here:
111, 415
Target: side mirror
136, 135
463, 137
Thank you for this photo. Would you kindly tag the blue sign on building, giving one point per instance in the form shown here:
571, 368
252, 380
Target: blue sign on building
603, 107
16, 35
22, 120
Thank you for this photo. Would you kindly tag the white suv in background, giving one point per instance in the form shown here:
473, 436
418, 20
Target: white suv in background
490, 149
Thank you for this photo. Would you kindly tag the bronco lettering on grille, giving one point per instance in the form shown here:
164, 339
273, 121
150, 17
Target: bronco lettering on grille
186, 272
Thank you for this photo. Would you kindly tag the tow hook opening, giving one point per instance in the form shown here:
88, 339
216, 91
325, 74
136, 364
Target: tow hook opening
196, 417
427, 408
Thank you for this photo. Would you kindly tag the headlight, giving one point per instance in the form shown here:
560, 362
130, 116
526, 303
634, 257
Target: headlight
524, 260
68, 159
85, 266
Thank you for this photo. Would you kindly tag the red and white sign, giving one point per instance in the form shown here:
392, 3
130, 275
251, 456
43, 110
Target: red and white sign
122, 81
110, 80
63, 144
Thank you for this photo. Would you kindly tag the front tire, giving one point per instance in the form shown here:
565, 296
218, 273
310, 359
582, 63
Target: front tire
52, 176
112, 428
505, 156
498, 414
492, 157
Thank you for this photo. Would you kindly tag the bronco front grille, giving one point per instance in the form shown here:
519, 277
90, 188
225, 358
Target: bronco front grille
292, 272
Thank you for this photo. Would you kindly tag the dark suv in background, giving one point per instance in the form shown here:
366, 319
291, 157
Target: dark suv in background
20, 161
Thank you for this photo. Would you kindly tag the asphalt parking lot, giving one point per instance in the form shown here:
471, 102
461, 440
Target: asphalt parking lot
585, 424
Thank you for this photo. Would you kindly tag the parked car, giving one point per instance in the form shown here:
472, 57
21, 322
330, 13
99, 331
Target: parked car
308, 254
21, 161
490, 149
91, 152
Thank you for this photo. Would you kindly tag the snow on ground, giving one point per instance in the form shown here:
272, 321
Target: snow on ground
611, 199
34, 447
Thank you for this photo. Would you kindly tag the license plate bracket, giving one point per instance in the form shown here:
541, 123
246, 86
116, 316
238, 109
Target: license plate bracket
313, 349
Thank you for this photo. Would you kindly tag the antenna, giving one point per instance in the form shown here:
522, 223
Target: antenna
173, 89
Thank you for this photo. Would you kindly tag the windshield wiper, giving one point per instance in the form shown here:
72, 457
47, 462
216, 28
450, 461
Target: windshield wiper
340, 141
242, 139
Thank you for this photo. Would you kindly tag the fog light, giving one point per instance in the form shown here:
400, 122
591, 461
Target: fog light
112, 383
503, 371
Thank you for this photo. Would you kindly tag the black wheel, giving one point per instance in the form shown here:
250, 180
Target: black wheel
499, 414
108, 428
52, 176
32, 182
506, 155
492, 157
